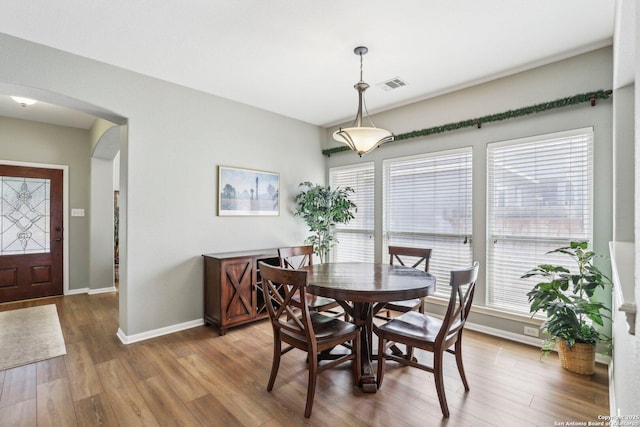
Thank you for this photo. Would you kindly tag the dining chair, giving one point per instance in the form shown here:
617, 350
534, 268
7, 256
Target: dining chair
296, 325
400, 255
419, 330
296, 257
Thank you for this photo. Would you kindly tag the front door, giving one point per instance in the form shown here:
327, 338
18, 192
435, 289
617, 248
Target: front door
30, 232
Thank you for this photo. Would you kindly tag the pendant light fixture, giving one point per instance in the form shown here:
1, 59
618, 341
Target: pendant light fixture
362, 139
25, 102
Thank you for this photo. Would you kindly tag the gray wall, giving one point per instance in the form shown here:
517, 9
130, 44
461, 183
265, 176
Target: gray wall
583, 73
105, 144
27, 141
174, 141
101, 226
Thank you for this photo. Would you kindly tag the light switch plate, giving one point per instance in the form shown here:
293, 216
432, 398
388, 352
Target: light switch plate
77, 212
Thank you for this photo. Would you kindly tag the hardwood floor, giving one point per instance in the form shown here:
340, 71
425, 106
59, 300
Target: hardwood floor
196, 377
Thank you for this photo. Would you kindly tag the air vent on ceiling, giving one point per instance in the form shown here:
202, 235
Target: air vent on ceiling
391, 84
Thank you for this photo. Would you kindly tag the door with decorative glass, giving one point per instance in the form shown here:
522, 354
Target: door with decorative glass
31, 231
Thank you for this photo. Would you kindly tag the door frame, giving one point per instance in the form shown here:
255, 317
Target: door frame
65, 212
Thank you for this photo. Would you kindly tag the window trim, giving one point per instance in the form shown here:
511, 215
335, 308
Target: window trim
466, 150
355, 168
488, 220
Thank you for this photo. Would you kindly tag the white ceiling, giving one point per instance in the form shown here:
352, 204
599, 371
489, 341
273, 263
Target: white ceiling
295, 57
44, 112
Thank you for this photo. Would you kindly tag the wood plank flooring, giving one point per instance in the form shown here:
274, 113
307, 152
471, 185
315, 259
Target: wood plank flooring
196, 377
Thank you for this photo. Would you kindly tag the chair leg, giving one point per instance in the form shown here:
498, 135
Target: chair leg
277, 353
458, 350
311, 386
409, 354
381, 353
438, 376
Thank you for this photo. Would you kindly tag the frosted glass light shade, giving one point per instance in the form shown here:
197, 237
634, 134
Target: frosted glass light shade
23, 101
362, 139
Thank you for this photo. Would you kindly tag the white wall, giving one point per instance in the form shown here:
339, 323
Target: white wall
546, 83
116, 172
625, 369
105, 144
175, 139
101, 226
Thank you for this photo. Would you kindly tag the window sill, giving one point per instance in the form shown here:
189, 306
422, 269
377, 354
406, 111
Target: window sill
492, 312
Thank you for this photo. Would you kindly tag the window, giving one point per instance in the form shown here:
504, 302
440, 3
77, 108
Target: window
355, 239
427, 203
539, 197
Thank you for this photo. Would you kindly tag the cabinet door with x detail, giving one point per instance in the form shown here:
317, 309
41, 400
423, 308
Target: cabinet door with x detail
238, 294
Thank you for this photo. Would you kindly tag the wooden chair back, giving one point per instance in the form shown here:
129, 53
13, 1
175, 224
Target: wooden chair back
402, 254
296, 257
463, 284
284, 289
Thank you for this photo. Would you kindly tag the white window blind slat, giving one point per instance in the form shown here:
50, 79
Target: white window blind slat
540, 197
427, 203
355, 239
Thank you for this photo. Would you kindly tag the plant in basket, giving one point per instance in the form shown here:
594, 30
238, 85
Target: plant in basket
573, 311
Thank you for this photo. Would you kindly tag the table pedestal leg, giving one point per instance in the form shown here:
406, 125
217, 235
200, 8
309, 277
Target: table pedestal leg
363, 318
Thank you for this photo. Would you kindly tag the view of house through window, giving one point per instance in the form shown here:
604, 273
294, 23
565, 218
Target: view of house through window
427, 203
539, 196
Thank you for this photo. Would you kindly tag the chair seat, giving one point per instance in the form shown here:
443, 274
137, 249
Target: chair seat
318, 303
326, 327
403, 306
412, 325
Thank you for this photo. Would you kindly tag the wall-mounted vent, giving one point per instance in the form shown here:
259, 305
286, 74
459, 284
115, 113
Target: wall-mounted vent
391, 84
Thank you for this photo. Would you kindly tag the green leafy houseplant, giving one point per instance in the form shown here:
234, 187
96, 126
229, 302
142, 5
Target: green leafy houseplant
568, 299
322, 208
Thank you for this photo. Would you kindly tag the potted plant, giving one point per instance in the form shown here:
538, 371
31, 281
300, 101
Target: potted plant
573, 312
322, 208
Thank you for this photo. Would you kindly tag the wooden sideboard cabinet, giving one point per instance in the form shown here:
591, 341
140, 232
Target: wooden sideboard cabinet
233, 287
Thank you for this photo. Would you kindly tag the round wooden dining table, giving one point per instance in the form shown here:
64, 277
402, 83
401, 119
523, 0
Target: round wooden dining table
362, 289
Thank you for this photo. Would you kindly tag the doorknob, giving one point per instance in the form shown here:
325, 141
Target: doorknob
58, 239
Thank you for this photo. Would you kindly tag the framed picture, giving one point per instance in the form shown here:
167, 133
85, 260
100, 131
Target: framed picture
246, 192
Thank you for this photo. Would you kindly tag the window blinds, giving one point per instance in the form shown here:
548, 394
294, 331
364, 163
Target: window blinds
355, 239
539, 197
427, 203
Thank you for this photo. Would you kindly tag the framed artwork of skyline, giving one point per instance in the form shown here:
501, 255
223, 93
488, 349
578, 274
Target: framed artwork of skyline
248, 192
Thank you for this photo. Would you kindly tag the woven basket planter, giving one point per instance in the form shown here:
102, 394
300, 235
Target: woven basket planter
580, 358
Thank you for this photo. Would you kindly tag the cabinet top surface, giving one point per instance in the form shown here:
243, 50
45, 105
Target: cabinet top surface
271, 252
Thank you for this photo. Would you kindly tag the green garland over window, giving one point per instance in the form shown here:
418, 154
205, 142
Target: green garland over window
510, 114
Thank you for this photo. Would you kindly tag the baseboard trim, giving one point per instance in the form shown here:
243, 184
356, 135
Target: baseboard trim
102, 290
511, 336
612, 392
90, 291
524, 339
130, 339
